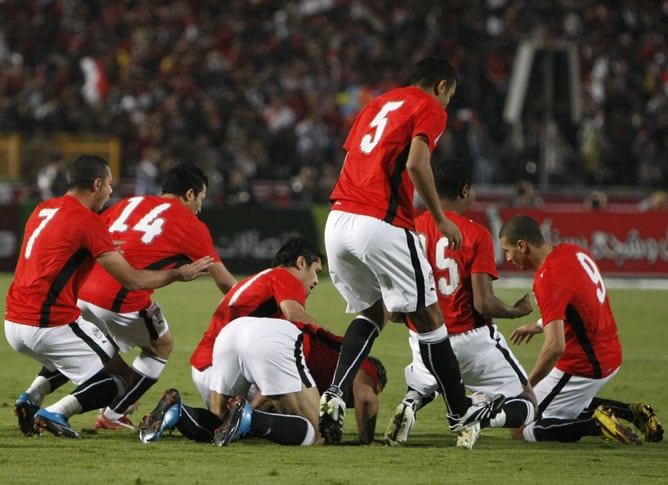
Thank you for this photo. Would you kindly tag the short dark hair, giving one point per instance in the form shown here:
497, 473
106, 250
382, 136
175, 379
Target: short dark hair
451, 176
293, 248
184, 177
83, 171
431, 70
381, 372
523, 227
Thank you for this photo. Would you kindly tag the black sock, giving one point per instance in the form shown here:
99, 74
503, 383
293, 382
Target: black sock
355, 348
55, 378
442, 363
197, 424
97, 392
565, 430
620, 409
140, 384
284, 429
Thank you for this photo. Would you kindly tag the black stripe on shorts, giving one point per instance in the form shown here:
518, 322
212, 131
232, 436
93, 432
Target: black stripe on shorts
553, 393
90, 342
299, 361
417, 268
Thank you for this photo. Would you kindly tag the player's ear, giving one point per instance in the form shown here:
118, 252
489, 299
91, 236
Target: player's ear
189, 195
96, 185
300, 262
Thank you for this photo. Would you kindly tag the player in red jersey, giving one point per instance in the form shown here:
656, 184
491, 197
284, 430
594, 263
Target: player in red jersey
466, 298
372, 249
581, 351
63, 239
276, 292
157, 232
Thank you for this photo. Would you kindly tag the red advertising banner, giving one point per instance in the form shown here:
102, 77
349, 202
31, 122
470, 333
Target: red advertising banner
622, 243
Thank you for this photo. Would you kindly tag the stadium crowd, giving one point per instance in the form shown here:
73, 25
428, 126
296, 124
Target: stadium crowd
250, 90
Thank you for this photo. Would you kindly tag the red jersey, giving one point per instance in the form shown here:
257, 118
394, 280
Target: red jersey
453, 269
569, 287
321, 350
374, 180
259, 295
61, 241
159, 233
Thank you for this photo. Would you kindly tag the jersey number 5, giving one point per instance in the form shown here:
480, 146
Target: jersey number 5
445, 265
150, 224
370, 140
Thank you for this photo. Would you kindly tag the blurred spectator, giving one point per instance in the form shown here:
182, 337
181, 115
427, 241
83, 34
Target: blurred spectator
147, 179
270, 87
657, 200
596, 200
524, 195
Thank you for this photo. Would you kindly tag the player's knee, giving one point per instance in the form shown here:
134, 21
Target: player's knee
163, 346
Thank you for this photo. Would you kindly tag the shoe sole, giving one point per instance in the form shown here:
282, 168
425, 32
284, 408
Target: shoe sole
647, 422
225, 434
330, 429
25, 412
152, 422
41, 423
613, 430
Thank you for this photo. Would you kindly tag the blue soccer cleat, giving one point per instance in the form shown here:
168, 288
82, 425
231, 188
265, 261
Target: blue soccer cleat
237, 422
165, 416
56, 423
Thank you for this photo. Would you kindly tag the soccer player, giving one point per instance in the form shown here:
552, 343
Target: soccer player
278, 292
468, 303
157, 232
372, 249
63, 239
581, 351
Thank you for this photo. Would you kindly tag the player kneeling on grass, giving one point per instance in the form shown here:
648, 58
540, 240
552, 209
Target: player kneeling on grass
468, 303
581, 351
321, 350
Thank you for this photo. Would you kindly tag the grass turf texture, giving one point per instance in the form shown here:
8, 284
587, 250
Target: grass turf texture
430, 457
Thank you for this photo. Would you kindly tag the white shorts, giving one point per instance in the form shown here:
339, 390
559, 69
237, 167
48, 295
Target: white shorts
266, 352
564, 396
486, 364
202, 380
78, 350
370, 259
128, 330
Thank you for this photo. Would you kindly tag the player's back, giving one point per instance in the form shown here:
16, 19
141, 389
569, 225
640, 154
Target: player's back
61, 239
259, 295
156, 233
579, 297
373, 180
453, 270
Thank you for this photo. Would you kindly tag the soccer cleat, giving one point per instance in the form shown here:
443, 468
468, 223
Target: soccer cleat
103, 422
401, 425
612, 428
332, 412
237, 421
25, 409
56, 423
646, 421
164, 416
468, 436
482, 409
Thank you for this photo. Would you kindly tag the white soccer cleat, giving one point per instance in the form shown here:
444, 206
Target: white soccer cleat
401, 425
468, 436
483, 408
332, 412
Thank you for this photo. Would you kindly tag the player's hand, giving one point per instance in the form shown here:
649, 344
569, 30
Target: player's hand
525, 333
452, 232
189, 272
523, 306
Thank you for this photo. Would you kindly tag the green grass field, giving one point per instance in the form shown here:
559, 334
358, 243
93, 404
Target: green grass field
430, 457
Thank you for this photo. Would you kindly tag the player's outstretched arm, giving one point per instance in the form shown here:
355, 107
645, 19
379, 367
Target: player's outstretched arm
140, 279
489, 305
223, 278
